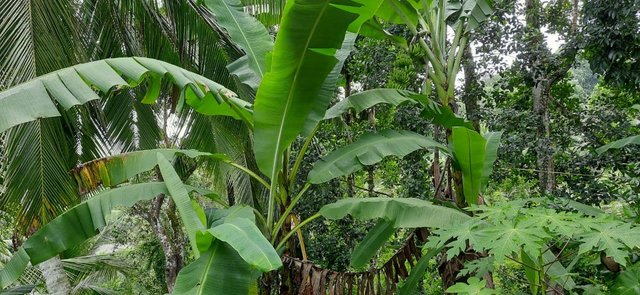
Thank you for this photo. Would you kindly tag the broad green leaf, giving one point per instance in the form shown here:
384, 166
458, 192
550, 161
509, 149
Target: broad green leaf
557, 271
372, 242
627, 282
13, 269
403, 212
369, 98
474, 286
531, 272
248, 241
402, 12
114, 170
469, 152
614, 238
443, 116
417, 273
369, 149
373, 29
73, 86
433, 111
75, 226
491, 154
618, 144
218, 271
310, 34
19, 290
321, 102
180, 196
249, 34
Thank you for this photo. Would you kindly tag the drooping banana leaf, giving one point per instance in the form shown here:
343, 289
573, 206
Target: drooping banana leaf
328, 87
372, 242
433, 111
402, 212
491, 154
218, 271
111, 171
474, 11
243, 236
304, 52
75, 85
75, 226
180, 196
371, 148
618, 144
417, 273
369, 98
469, 151
249, 34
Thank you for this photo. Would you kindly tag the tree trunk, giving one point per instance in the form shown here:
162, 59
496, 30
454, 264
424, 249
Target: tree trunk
55, 278
544, 145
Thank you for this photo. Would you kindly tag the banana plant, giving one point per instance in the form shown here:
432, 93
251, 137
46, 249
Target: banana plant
295, 81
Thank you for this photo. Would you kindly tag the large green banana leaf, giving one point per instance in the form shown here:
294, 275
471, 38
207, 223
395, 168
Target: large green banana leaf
372, 242
243, 236
325, 95
619, 144
310, 34
369, 98
371, 148
469, 153
75, 226
491, 154
114, 170
433, 111
475, 11
218, 271
402, 212
234, 252
75, 85
249, 34
180, 196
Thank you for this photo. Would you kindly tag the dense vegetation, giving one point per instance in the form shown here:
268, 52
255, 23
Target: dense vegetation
319, 147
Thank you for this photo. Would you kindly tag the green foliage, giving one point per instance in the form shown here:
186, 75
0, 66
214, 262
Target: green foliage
474, 286
525, 231
368, 150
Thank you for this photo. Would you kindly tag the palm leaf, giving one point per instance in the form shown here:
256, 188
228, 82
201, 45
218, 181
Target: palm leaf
370, 149
402, 212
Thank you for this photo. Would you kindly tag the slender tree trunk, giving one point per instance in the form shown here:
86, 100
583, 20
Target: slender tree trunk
544, 145
55, 278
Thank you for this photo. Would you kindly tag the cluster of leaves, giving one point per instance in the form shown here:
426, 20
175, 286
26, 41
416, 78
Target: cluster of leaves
538, 237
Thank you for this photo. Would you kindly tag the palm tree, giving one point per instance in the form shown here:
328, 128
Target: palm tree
39, 37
